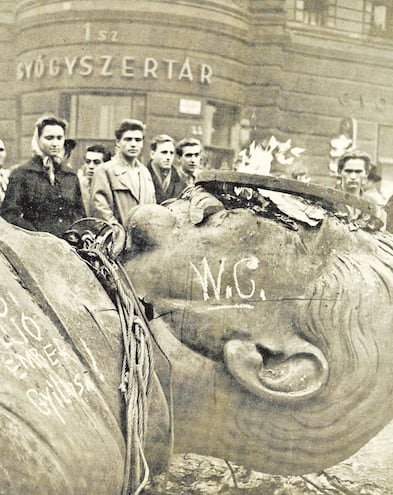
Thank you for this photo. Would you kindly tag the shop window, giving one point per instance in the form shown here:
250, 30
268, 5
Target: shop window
315, 12
93, 118
221, 133
96, 116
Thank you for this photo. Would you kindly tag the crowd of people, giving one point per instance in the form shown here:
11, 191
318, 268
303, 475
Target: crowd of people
47, 194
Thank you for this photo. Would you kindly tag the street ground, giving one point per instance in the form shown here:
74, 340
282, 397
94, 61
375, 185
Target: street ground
368, 472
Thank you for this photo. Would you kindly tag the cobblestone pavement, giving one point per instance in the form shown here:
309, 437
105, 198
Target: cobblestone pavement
368, 472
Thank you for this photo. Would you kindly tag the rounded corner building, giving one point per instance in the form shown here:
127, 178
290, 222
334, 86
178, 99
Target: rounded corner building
221, 70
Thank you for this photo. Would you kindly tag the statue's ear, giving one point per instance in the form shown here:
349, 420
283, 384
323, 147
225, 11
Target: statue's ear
294, 371
149, 225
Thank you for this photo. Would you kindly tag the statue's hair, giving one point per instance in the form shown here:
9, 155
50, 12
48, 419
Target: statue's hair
340, 301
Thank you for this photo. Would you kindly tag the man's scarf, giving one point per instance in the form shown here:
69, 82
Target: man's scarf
163, 178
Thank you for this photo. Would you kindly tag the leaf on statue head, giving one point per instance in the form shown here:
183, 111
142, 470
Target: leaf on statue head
272, 144
282, 160
297, 151
242, 160
260, 161
251, 148
284, 147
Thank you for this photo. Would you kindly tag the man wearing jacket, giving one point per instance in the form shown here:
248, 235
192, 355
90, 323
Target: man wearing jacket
189, 152
167, 182
353, 168
123, 182
95, 154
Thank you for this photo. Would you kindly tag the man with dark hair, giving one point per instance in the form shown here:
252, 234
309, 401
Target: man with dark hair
353, 168
167, 182
123, 182
189, 152
95, 154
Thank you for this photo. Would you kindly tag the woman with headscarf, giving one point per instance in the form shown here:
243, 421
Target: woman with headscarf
44, 193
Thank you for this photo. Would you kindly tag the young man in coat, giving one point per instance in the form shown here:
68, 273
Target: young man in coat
167, 182
95, 154
123, 182
353, 168
189, 152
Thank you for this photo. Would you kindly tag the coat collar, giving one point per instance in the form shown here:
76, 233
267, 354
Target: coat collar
186, 178
120, 169
120, 166
35, 164
174, 174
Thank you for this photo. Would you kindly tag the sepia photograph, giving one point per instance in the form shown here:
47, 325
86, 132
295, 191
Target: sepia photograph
196, 247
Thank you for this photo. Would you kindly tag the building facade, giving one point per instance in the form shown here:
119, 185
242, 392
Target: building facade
224, 71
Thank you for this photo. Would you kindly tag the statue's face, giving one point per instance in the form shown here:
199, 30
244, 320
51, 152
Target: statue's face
296, 324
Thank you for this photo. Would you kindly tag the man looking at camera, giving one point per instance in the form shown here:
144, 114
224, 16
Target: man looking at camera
123, 182
189, 151
353, 168
94, 156
166, 180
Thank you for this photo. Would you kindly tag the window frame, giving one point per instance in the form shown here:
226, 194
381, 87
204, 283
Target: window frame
66, 102
65, 97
